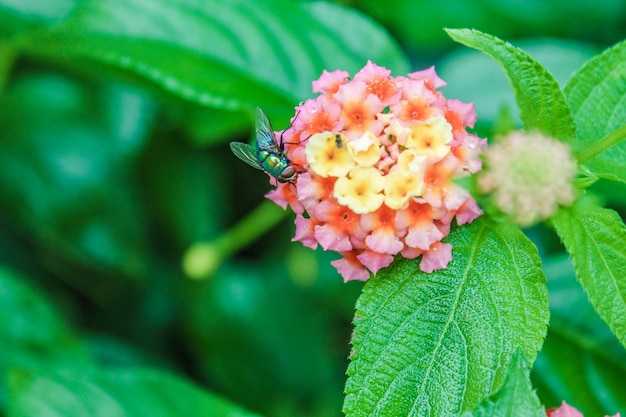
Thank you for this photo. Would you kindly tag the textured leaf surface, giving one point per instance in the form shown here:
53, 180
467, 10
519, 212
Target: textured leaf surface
595, 237
515, 398
222, 54
538, 95
437, 344
107, 394
597, 97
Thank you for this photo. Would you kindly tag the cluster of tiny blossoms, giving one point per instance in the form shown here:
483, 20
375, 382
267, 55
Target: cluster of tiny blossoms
529, 176
377, 156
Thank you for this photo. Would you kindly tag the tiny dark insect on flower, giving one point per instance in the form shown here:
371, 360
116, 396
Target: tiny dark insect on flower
266, 154
338, 141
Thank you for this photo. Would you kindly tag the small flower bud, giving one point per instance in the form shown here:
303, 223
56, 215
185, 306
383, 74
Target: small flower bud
529, 175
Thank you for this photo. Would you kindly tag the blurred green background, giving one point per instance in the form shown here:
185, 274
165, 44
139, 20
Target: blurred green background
115, 118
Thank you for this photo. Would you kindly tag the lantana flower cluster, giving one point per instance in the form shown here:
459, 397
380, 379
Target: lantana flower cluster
377, 158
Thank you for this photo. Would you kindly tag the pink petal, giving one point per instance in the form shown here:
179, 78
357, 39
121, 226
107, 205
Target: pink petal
565, 410
411, 253
329, 239
353, 91
438, 257
465, 111
384, 241
430, 75
277, 197
423, 236
304, 232
329, 80
375, 261
372, 71
468, 212
351, 270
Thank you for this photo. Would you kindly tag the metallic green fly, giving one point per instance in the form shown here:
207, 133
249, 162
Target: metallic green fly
266, 154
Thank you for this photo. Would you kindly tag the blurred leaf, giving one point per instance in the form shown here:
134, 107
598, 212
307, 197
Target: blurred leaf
516, 396
573, 316
418, 25
597, 96
134, 393
220, 54
595, 237
247, 324
33, 335
208, 126
578, 346
65, 175
566, 371
437, 344
538, 95
612, 193
187, 190
20, 15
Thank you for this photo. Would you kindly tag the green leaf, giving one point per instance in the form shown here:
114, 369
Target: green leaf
540, 99
222, 54
487, 86
438, 344
20, 15
516, 396
573, 316
597, 97
32, 332
135, 393
595, 237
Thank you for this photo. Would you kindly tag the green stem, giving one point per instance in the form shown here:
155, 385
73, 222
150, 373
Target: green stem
203, 258
601, 145
250, 228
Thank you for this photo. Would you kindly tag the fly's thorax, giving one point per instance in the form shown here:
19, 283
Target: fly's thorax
273, 163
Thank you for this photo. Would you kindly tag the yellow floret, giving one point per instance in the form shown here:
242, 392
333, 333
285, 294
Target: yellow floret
327, 159
431, 138
360, 191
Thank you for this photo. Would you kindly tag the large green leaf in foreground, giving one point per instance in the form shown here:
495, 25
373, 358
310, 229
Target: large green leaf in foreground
515, 398
437, 344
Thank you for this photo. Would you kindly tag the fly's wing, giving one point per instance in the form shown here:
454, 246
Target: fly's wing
246, 153
265, 138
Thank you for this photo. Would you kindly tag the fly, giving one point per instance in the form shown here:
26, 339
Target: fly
266, 154
338, 141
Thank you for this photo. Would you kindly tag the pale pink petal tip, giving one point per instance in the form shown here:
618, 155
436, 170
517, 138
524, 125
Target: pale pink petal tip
276, 196
351, 270
375, 261
304, 232
430, 75
329, 81
438, 257
372, 71
565, 410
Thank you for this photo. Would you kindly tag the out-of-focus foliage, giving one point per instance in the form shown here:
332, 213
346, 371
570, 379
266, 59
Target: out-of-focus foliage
114, 123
